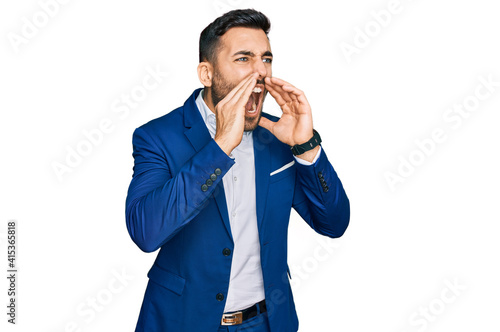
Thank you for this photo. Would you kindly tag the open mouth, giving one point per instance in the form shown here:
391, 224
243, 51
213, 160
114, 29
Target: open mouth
255, 101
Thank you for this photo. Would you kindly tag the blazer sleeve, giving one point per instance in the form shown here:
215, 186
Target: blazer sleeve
320, 199
159, 203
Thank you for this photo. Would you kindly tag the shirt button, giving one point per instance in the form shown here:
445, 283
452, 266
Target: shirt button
234, 214
219, 297
226, 252
235, 178
204, 187
218, 171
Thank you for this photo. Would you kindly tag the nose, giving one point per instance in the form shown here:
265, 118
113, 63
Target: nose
260, 68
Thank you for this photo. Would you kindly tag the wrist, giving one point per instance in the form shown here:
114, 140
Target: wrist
309, 155
224, 145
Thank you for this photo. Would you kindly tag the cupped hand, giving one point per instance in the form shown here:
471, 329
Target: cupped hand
295, 125
230, 114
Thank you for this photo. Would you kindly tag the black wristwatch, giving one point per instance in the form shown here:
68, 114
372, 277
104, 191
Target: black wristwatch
299, 149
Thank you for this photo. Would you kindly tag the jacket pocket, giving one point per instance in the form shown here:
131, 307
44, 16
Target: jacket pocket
282, 172
167, 279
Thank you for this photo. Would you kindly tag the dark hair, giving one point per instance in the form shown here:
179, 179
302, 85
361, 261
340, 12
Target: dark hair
245, 18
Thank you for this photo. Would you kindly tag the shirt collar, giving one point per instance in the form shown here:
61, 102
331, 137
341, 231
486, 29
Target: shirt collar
207, 115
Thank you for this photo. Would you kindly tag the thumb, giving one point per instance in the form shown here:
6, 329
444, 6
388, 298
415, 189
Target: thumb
267, 124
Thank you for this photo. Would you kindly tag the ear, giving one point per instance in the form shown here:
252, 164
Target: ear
205, 73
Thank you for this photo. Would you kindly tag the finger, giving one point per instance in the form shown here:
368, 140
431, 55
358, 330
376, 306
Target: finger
238, 88
279, 81
290, 88
249, 83
285, 95
267, 124
243, 94
287, 87
275, 95
291, 93
296, 94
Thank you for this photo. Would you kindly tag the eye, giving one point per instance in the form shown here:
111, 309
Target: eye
244, 59
267, 60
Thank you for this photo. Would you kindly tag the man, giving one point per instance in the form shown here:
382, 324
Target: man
213, 186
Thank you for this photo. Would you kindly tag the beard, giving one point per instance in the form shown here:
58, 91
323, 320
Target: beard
221, 87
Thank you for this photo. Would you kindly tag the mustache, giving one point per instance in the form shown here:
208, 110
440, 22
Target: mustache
261, 82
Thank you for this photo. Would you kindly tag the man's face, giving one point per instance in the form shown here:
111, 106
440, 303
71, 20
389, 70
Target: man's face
242, 51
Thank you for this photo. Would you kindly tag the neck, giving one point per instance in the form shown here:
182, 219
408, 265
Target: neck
207, 98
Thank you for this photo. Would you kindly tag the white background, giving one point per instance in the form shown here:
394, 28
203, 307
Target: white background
403, 248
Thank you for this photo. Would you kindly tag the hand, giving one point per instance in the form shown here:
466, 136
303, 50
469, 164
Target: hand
230, 114
295, 125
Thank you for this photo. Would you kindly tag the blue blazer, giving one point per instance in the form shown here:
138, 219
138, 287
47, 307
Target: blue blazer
170, 206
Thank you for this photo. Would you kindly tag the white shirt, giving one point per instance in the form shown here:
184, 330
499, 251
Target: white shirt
246, 284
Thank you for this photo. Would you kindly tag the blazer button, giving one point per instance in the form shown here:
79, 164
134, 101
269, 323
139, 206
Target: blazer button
323, 184
218, 171
209, 182
219, 297
226, 252
204, 187
320, 175
213, 177
325, 189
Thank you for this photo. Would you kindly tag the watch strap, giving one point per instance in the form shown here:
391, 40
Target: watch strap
299, 149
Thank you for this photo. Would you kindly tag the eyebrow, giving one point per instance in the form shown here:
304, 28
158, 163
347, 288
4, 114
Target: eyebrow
250, 53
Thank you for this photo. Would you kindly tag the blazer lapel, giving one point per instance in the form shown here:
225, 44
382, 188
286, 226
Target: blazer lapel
199, 136
197, 132
262, 156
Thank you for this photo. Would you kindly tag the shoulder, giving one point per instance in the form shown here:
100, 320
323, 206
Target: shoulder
171, 120
176, 120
